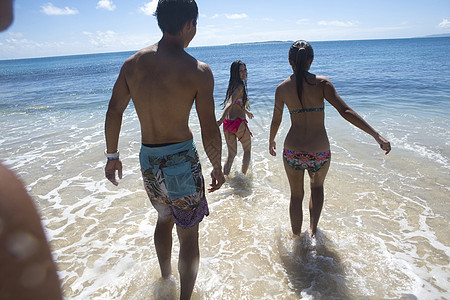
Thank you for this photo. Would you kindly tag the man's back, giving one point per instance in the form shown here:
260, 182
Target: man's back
163, 82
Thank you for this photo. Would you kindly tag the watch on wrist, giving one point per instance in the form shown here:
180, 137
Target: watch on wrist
112, 156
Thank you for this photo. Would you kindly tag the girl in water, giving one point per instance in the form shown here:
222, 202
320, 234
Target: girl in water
306, 146
234, 114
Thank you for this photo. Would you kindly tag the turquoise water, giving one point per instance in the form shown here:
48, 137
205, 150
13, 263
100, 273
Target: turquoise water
384, 227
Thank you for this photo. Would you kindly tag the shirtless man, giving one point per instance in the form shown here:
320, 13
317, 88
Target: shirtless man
164, 82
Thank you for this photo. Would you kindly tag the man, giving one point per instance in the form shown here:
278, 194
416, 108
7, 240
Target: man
164, 81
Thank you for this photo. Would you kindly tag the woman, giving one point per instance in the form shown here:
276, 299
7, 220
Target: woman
234, 121
306, 146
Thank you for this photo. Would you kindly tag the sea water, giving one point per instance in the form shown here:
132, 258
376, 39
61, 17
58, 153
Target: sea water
384, 229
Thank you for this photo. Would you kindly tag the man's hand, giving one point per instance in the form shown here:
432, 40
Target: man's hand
110, 170
218, 179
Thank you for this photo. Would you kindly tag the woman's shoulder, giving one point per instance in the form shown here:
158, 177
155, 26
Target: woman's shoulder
322, 80
238, 92
286, 83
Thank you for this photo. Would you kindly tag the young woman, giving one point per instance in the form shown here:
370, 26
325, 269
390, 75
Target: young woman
234, 114
306, 146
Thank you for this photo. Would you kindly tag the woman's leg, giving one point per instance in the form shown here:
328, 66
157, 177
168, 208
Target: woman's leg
317, 196
246, 141
230, 139
295, 178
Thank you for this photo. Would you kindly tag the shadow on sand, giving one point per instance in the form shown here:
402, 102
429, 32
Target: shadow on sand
314, 269
241, 185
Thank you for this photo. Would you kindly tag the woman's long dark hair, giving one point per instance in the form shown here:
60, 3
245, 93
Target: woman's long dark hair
299, 54
235, 82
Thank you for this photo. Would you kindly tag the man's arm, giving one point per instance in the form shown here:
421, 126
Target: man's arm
27, 268
117, 105
212, 140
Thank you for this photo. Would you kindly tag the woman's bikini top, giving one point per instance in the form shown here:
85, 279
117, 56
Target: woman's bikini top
297, 111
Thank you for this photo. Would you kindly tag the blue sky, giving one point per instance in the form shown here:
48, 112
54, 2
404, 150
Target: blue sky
63, 27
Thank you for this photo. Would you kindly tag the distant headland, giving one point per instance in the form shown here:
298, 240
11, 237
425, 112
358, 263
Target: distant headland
439, 35
258, 43
283, 42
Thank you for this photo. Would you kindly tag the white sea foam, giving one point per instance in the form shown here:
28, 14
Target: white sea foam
382, 234
246, 246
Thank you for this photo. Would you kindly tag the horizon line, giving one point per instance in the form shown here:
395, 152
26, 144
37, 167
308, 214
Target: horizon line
236, 44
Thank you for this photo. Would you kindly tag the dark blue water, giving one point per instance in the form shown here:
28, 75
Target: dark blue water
410, 75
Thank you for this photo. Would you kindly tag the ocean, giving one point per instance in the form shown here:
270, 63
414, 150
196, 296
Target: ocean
384, 229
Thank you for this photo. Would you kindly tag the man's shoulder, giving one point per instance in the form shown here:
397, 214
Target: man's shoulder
142, 53
197, 68
203, 67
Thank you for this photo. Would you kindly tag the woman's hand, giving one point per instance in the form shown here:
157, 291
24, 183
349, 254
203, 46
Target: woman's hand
249, 114
384, 144
272, 147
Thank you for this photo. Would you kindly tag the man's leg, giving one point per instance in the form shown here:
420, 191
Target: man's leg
189, 259
163, 244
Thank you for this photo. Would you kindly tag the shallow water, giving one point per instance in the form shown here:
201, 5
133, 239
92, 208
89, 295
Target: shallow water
383, 233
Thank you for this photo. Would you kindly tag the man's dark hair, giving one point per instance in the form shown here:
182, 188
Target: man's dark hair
172, 15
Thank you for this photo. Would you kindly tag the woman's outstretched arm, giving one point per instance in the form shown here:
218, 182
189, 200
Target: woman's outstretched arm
351, 116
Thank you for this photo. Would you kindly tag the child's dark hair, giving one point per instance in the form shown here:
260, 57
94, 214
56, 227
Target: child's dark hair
172, 15
299, 54
235, 82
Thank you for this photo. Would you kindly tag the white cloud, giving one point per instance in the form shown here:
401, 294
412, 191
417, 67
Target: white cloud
236, 16
338, 23
444, 24
51, 10
100, 38
106, 4
215, 16
302, 21
149, 8
15, 34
